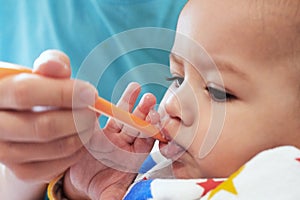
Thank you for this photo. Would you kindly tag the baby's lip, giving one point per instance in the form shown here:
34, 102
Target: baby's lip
154, 118
164, 130
171, 149
167, 126
165, 134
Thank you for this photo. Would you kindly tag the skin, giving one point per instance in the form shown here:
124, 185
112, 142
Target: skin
108, 175
56, 141
38, 146
261, 113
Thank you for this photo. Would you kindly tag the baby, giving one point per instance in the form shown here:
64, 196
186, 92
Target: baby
218, 115
255, 46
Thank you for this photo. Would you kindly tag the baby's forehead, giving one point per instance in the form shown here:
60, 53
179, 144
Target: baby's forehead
262, 29
278, 27
278, 21
287, 11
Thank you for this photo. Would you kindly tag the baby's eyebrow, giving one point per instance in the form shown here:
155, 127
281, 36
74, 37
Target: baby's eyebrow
175, 58
221, 65
230, 68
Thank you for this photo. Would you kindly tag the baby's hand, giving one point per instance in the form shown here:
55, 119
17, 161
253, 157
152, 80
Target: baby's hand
114, 155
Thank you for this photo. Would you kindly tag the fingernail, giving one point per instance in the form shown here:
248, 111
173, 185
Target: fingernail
153, 117
146, 101
88, 95
66, 66
43, 59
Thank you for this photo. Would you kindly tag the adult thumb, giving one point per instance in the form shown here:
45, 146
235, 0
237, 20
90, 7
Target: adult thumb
52, 63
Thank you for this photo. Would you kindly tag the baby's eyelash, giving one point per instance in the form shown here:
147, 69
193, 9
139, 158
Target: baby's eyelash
216, 94
178, 80
220, 95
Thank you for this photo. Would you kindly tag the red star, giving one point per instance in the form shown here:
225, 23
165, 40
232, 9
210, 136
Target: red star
208, 185
298, 159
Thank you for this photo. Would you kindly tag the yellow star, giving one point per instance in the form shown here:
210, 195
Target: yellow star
227, 185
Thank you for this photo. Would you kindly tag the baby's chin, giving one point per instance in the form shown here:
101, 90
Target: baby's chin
183, 171
186, 167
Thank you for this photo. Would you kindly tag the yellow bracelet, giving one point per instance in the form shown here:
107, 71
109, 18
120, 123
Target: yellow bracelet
53, 188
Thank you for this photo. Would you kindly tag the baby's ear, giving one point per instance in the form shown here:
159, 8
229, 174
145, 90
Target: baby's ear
53, 63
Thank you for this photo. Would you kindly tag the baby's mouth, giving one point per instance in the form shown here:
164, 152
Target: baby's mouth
171, 150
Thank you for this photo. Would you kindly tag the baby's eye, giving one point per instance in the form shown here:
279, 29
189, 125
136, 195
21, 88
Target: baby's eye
177, 80
219, 95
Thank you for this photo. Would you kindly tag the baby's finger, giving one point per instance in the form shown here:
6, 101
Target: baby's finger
147, 102
126, 102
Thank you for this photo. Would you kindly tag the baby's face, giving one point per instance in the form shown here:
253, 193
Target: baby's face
253, 46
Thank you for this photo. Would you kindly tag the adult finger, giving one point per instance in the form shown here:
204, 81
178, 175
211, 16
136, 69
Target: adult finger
25, 91
44, 126
14, 152
45, 170
52, 63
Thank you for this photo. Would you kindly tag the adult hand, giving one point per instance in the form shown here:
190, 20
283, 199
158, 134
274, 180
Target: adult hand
39, 138
113, 155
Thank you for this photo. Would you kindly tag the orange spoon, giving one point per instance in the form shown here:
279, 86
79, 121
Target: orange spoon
101, 106
7, 69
